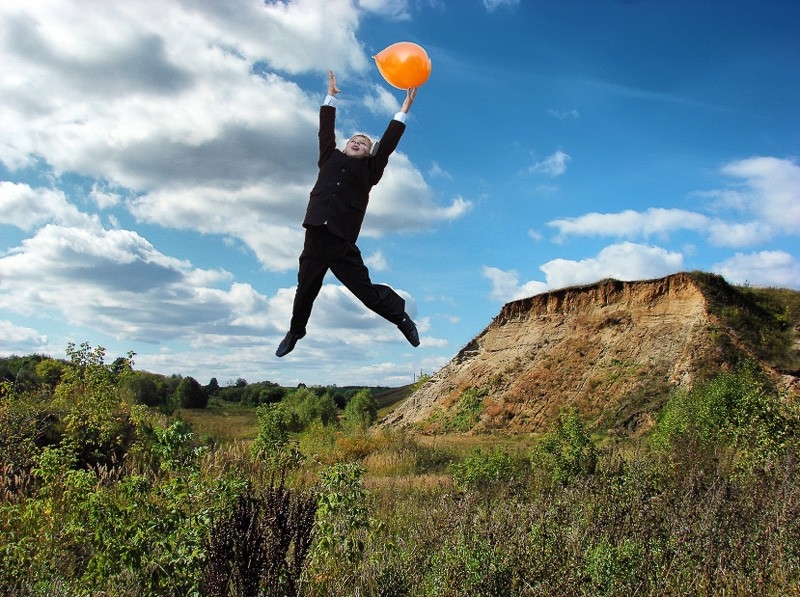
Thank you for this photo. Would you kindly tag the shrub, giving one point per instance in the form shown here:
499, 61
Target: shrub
483, 471
738, 410
361, 411
567, 451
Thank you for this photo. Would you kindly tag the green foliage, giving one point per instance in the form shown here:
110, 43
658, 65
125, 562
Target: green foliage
567, 451
143, 389
361, 411
484, 471
308, 407
470, 564
172, 518
342, 517
464, 415
190, 394
93, 417
50, 372
174, 446
763, 318
22, 426
612, 569
273, 443
738, 410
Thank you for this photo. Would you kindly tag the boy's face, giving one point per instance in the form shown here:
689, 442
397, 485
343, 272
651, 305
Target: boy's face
357, 147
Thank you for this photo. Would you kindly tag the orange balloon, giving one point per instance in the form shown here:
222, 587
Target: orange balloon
404, 64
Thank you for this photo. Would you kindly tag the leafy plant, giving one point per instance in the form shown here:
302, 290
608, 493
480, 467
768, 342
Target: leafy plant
483, 470
736, 409
567, 451
342, 516
361, 411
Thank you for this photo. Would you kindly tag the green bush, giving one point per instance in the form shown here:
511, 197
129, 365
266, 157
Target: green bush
484, 471
566, 452
361, 411
737, 410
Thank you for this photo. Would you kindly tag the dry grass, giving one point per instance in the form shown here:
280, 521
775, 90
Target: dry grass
223, 422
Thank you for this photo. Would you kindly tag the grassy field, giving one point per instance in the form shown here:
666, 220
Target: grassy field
223, 422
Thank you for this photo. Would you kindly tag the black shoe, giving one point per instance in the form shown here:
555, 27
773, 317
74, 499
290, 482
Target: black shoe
287, 344
409, 330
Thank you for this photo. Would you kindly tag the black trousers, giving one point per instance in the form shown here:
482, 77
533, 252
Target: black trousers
323, 251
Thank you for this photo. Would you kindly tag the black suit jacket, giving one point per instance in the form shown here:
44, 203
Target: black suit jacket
340, 196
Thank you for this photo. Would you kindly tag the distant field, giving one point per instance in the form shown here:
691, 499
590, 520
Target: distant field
224, 422
227, 422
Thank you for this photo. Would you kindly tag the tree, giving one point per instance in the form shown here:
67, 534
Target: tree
144, 389
50, 371
190, 394
213, 387
361, 410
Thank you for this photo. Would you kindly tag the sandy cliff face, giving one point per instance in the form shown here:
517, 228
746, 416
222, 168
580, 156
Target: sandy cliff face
611, 349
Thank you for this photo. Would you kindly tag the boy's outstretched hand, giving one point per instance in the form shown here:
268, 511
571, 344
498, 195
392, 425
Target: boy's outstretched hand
332, 88
411, 95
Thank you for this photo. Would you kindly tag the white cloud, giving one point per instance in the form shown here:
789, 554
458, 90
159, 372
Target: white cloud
765, 268
554, 165
770, 189
190, 117
116, 281
20, 340
630, 223
27, 208
403, 201
732, 234
161, 104
377, 262
623, 261
506, 287
769, 196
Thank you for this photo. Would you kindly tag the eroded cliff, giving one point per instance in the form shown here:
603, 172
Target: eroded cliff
613, 350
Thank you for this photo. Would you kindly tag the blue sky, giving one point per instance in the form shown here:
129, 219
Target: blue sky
156, 158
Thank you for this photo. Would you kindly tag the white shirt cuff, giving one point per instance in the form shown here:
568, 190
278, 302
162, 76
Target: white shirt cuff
329, 101
400, 116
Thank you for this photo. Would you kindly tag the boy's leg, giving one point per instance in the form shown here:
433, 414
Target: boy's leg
348, 266
310, 274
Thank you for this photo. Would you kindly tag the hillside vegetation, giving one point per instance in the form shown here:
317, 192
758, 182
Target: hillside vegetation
101, 494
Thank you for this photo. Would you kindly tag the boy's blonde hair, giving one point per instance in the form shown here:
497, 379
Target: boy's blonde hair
363, 135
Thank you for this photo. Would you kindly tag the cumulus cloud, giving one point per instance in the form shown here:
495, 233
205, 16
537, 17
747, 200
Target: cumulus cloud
27, 208
630, 223
404, 202
191, 118
623, 261
769, 187
115, 280
506, 286
20, 340
203, 132
766, 193
764, 268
